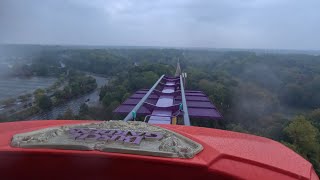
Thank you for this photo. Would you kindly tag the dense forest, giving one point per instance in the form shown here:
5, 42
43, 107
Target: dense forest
271, 95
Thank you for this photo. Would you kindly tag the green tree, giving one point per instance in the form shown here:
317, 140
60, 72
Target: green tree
84, 109
44, 102
125, 96
38, 93
68, 114
103, 91
314, 116
23, 98
293, 95
303, 134
237, 128
107, 99
111, 107
304, 138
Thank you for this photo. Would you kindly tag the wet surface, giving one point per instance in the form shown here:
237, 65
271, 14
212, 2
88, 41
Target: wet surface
13, 86
74, 104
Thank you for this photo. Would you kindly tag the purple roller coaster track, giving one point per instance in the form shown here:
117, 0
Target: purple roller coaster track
166, 101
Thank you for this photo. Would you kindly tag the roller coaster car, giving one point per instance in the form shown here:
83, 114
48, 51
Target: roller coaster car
225, 155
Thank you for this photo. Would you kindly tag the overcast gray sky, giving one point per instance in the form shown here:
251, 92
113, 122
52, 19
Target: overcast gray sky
289, 24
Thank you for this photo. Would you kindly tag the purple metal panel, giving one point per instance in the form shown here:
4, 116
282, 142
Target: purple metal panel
160, 121
125, 109
140, 96
152, 101
163, 101
195, 98
204, 113
135, 101
131, 101
192, 91
141, 92
199, 104
156, 116
137, 96
144, 91
194, 94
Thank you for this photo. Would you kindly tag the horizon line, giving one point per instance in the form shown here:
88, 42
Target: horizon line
167, 47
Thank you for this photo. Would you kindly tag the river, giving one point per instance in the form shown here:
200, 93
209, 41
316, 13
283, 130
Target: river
15, 86
74, 104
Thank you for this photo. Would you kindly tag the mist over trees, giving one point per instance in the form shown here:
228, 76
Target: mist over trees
271, 95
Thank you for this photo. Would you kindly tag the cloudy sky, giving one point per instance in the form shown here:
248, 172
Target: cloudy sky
286, 24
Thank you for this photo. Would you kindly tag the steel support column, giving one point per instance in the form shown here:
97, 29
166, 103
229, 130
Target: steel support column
186, 118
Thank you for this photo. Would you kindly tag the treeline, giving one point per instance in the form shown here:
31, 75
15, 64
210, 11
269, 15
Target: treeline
65, 89
45, 63
276, 96
74, 85
271, 95
49, 61
135, 78
96, 61
78, 84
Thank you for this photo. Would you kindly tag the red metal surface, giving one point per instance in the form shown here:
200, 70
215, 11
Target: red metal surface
226, 155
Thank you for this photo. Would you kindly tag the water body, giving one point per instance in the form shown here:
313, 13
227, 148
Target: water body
74, 104
14, 86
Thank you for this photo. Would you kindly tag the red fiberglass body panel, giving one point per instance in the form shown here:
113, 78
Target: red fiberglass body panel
226, 155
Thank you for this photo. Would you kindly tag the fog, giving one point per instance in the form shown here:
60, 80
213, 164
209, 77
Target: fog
271, 24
